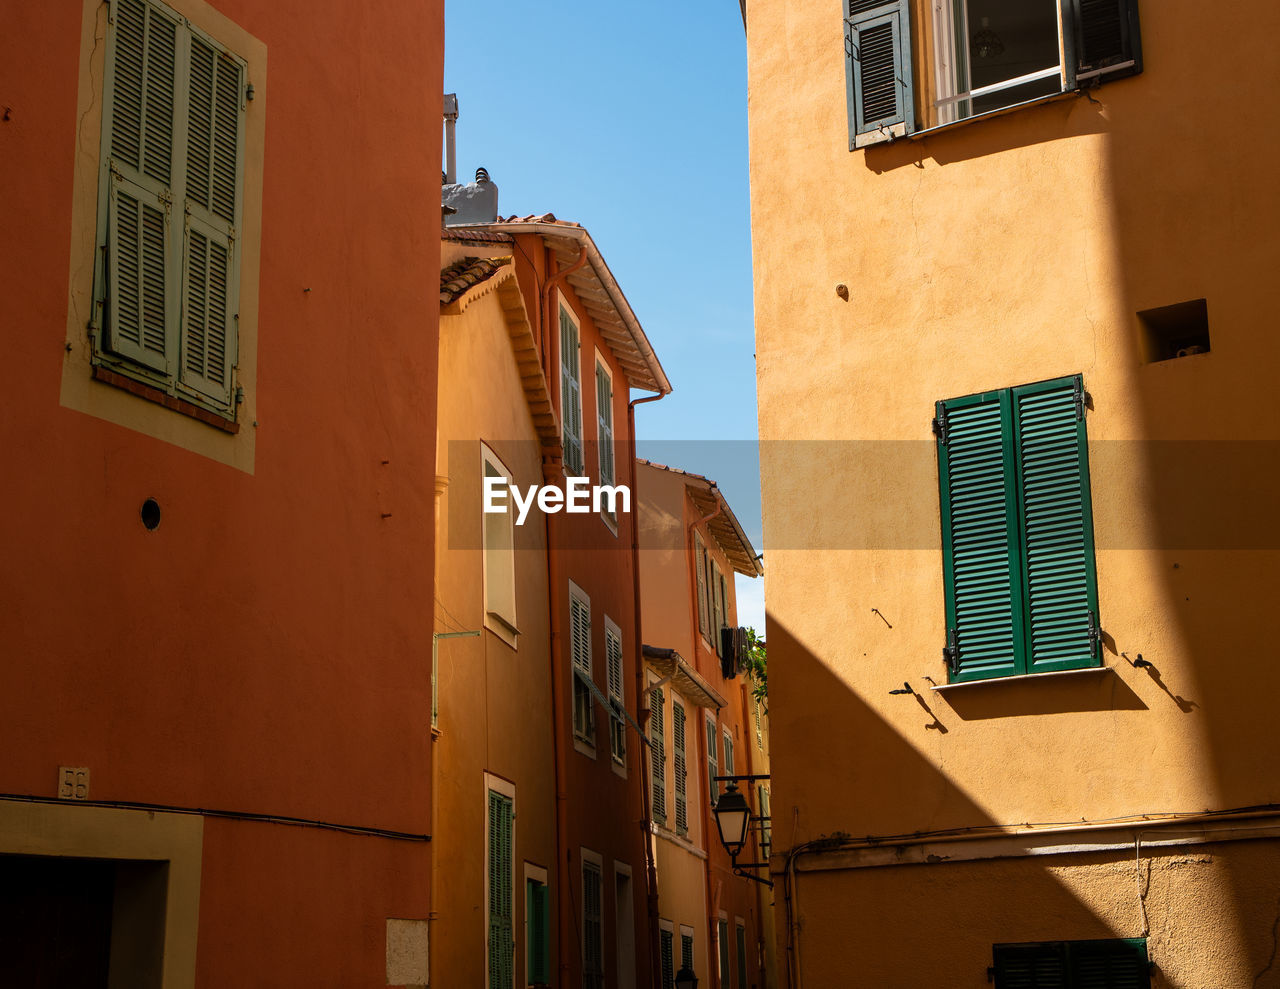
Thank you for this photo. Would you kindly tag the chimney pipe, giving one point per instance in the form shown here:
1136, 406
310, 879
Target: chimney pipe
450, 141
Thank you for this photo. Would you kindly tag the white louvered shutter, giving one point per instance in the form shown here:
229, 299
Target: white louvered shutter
604, 424
570, 394
617, 727
657, 745
678, 756
700, 561
214, 142
141, 287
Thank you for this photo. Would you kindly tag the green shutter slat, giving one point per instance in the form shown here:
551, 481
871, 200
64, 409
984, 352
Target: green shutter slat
570, 394
678, 755
878, 67
1107, 41
1057, 528
1031, 966
980, 544
658, 755
668, 972
501, 958
713, 763
1109, 964
686, 951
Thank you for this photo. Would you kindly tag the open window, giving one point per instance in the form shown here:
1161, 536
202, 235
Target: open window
979, 56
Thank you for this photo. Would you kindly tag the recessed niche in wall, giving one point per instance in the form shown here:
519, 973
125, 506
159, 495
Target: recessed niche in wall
1180, 330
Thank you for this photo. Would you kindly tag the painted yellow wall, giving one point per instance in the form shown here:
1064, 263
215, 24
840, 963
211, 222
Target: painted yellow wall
1001, 252
494, 700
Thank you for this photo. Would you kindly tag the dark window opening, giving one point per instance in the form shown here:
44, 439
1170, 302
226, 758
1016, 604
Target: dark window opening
1180, 330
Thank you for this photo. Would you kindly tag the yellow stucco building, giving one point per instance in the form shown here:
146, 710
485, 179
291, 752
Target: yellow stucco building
1016, 361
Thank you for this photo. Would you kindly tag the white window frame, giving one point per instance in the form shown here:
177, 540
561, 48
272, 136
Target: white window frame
585, 856
584, 741
617, 722
609, 518
950, 26
507, 789
500, 586
566, 308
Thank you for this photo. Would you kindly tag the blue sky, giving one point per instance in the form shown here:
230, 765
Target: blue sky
631, 119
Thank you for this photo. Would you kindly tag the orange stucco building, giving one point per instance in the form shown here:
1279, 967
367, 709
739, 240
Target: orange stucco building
219, 462
541, 782
704, 721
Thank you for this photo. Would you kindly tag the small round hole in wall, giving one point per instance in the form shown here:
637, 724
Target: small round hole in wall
150, 513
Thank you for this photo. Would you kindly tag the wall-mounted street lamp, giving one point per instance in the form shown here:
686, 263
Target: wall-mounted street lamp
733, 820
685, 979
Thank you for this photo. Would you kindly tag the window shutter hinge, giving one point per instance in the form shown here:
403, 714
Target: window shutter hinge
1081, 398
1095, 634
940, 428
248, 93
951, 653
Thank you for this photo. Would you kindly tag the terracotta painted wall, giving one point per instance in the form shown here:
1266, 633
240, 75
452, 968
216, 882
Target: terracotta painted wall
495, 712
603, 809
266, 648
1009, 251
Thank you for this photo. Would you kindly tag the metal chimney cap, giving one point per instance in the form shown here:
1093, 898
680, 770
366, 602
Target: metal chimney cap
451, 105
482, 175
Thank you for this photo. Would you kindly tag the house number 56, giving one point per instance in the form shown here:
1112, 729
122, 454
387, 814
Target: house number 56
73, 782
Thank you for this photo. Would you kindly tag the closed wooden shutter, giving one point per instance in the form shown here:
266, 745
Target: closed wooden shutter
1061, 596
1102, 964
580, 645
717, 612
723, 932
570, 394
214, 140
604, 423
592, 935
713, 762
981, 558
657, 746
141, 87
1106, 39
878, 68
668, 961
686, 951
728, 754
538, 948
501, 944
700, 562
617, 727
678, 757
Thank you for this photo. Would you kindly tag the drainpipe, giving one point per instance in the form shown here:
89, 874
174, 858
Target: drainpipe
713, 918
559, 728
646, 826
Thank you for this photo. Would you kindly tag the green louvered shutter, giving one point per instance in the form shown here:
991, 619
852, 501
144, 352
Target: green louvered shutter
658, 754
686, 951
723, 930
678, 762
501, 945
604, 424
877, 43
981, 555
713, 762
668, 960
592, 928
1110, 964
1061, 594
741, 933
1031, 966
701, 566
570, 394
1106, 40
215, 136
141, 289
538, 948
